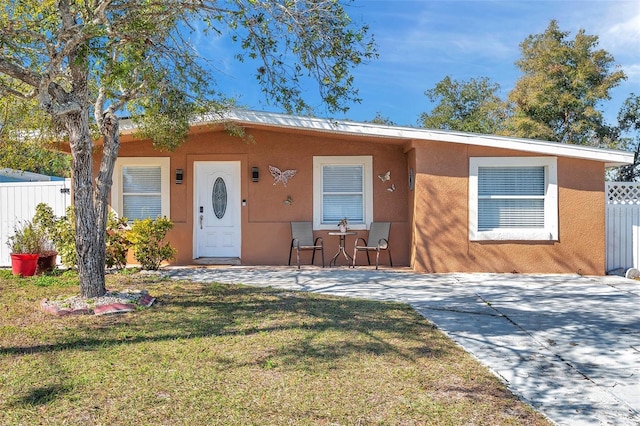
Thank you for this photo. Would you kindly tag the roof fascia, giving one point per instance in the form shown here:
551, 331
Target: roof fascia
611, 158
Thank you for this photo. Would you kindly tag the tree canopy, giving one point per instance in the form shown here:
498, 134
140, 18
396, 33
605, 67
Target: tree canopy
563, 82
557, 98
81, 62
381, 119
35, 153
628, 133
468, 106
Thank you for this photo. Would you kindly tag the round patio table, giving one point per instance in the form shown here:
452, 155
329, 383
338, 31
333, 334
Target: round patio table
341, 245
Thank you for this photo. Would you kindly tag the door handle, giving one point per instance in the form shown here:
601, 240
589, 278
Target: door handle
201, 217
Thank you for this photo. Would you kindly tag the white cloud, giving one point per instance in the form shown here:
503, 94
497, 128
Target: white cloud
623, 28
620, 36
435, 36
633, 72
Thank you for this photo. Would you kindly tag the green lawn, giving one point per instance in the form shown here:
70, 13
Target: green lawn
221, 354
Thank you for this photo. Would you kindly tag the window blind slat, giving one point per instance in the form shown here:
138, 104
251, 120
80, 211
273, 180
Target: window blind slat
511, 181
343, 193
141, 192
337, 207
342, 179
511, 197
495, 214
142, 206
140, 179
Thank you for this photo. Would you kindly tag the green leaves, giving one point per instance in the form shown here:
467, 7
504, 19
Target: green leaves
27, 138
557, 98
147, 241
305, 40
27, 238
564, 80
468, 106
120, 55
80, 63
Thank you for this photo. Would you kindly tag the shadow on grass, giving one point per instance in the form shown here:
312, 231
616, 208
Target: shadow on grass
42, 395
310, 327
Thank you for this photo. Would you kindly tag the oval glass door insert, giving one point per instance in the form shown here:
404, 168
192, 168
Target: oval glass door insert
219, 198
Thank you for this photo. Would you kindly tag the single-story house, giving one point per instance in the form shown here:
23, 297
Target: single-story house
457, 202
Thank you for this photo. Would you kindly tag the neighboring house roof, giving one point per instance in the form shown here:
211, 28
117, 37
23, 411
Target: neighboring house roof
12, 175
611, 158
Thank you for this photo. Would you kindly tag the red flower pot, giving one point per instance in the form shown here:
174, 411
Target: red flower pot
24, 264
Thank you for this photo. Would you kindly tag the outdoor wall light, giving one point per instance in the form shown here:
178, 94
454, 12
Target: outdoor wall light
179, 176
255, 174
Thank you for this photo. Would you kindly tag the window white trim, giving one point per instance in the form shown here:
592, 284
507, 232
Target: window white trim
550, 230
318, 163
116, 188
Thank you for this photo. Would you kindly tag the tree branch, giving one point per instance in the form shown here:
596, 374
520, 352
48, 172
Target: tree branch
10, 91
19, 72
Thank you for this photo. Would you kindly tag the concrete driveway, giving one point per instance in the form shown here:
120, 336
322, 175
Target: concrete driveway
566, 344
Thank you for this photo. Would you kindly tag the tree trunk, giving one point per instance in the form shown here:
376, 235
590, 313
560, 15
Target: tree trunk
110, 129
90, 231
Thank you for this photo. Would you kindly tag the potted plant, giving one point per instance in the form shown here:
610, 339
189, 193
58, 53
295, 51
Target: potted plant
25, 244
45, 222
343, 225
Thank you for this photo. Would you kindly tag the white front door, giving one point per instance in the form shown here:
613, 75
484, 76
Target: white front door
217, 209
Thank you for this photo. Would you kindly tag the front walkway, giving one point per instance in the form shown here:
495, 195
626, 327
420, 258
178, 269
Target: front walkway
568, 345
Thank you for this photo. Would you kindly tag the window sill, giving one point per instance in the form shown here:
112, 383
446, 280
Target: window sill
514, 235
333, 227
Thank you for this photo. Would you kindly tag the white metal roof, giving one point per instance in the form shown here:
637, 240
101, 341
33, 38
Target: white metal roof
610, 157
22, 176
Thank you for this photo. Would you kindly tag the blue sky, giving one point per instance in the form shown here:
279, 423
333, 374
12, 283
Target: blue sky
421, 42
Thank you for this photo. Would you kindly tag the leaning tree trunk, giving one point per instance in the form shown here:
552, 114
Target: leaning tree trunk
90, 231
110, 129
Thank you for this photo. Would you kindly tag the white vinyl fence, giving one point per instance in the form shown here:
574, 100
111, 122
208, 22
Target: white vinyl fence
18, 201
623, 225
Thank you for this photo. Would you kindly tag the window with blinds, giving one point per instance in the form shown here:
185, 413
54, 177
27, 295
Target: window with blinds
342, 187
513, 198
141, 192
342, 193
140, 187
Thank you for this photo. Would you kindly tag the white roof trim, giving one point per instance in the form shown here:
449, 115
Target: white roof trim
611, 158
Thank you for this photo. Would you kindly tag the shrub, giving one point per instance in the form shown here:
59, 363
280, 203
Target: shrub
63, 235
44, 220
146, 237
44, 217
117, 241
27, 238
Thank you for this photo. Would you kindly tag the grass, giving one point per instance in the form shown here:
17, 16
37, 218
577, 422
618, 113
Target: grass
229, 354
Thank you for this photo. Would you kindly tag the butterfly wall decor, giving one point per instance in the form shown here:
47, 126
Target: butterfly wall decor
385, 177
392, 187
281, 175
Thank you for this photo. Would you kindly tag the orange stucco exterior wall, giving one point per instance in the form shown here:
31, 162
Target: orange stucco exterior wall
440, 232
265, 227
429, 230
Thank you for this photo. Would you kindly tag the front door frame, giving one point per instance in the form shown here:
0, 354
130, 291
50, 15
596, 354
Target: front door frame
197, 182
